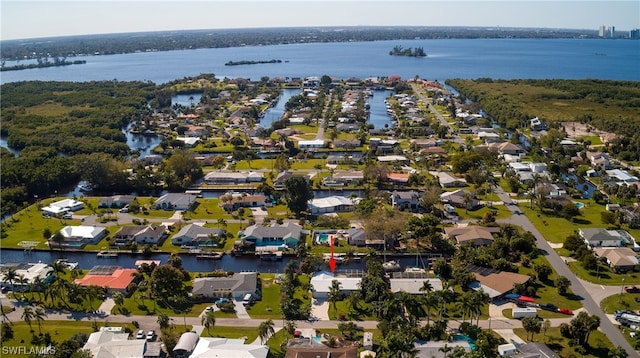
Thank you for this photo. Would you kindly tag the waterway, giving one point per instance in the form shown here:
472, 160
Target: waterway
276, 112
3, 144
87, 260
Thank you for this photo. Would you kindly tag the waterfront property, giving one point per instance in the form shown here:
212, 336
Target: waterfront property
233, 201
276, 236
238, 285
79, 236
458, 199
113, 278
29, 271
197, 235
448, 180
413, 285
141, 234
321, 283
475, 235
116, 201
330, 204
494, 282
62, 207
229, 178
175, 201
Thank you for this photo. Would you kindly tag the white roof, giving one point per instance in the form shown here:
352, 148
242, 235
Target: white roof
87, 232
413, 285
321, 282
330, 201
224, 347
39, 269
392, 158
62, 206
107, 344
189, 140
311, 142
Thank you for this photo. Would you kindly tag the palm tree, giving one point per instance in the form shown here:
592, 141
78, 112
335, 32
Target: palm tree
430, 300
28, 316
58, 268
38, 285
426, 286
445, 349
464, 304
39, 315
163, 320
467, 199
334, 294
118, 299
10, 275
208, 321
265, 330
23, 282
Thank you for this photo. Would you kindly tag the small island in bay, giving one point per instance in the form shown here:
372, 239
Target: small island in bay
238, 63
41, 64
410, 52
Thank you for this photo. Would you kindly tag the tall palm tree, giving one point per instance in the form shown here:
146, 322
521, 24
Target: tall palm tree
208, 321
23, 282
58, 268
163, 320
426, 286
39, 315
28, 316
334, 295
265, 330
10, 275
464, 304
445, 349
118, 299
38, 285
431, 299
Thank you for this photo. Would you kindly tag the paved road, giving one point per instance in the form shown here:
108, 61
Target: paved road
616, 338
443, 121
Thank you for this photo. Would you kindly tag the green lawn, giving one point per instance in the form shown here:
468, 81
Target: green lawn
269, 306
604, 276
599, 344
362, 313
624, 301
501, 212
249, 333
59, 331
546, 291
146, 307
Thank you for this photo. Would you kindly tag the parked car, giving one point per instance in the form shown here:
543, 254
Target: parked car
549, 307
565, 311
140, 334
67, 216
632, 289
151, 335
209, 309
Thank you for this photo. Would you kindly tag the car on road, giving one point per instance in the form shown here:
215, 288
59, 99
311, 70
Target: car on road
632, 289
140, 334
151, 335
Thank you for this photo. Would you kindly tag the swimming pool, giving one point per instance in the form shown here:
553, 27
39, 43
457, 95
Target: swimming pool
462, 337
579, 205
322, 239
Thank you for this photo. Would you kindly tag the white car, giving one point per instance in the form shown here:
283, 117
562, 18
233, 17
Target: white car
140, 334
151, 335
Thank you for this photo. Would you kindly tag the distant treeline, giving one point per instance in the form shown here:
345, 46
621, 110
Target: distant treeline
194, 39
41, 65
239, 63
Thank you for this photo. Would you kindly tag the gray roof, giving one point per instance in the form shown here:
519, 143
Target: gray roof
187, 342
176, 199
239, 282
537, 350
287, 229
407, 195
194, 231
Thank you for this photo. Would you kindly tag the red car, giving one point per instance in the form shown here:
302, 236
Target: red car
565, 311
632, 289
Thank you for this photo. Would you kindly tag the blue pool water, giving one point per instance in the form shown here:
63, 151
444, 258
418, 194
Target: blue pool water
579, 205
322, 239
462, 337
317, 339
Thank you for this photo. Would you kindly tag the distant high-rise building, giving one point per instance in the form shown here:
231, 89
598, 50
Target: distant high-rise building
601, 31
612, 32
634, 34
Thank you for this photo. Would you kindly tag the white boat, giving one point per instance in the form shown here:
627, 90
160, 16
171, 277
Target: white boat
391, 266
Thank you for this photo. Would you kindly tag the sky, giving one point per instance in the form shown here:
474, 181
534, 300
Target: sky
22, 19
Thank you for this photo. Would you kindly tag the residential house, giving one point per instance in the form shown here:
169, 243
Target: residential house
448, 180
506, 148
536, 350
460, 199
281, 178
78, 236
475, 235
398, 178
207, 347
175, 201
197, 235
383, 145
619, 259
425, 143
349, 177
116, 201
113, 278
356, 237
405, 200
189, 142
489, 137
393, 159
330, 204
413, 285
186, 345
230, 178
537, 125
234, 201
311, 144
238, 285
114, 342
309, 348
598, 237
140, 234
30, 272
622, 177
277, 236
321, 284
346, 143
599, 160
351, 157
62, 206
348, 127
436, 349
494, 282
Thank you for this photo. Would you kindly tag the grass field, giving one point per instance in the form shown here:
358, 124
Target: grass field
599, 345
624, 301
59, 331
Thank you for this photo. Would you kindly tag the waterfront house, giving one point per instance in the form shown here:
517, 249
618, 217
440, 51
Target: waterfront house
356, 237
309, 348
78, 236
197, 235
506, 148
175, 201
346, 158
238, 285
311, 144
30, 271
231, 178
113, 278
537, 125
413, 285
62, 206
331, 204
281, 178
621, 259
233, 201
457, 198
116, 201
405, 200
448, 180
141, 234
494, 282
189, 142
398, 178
276, 235
346, 143
599, 160
401, 159
321, 284
349, 177
475, 235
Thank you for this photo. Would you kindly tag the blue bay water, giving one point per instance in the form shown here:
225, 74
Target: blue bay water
459, 58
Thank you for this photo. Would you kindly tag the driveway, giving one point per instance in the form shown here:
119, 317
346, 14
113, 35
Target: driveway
241, 310
320, 309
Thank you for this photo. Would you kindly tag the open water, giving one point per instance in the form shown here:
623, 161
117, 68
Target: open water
459, 58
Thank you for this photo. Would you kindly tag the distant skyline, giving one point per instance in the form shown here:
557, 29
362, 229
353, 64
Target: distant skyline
48, 18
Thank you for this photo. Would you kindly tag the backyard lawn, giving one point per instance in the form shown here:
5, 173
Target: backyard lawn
599, 345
